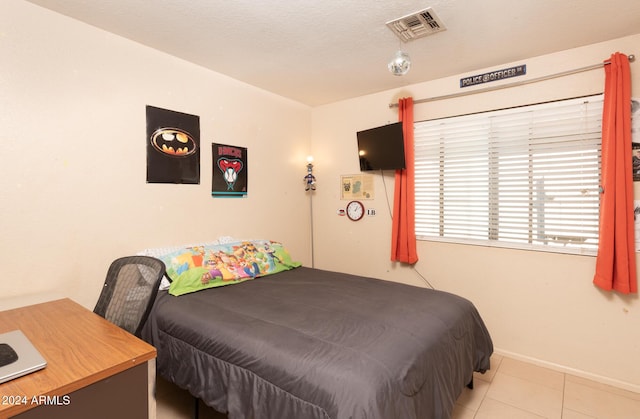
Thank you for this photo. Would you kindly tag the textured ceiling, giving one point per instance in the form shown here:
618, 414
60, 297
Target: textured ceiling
322, 51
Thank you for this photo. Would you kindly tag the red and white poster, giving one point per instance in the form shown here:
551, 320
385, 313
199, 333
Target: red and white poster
229, 171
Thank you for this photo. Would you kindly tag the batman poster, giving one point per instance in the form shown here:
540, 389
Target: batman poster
173, 147
229, 171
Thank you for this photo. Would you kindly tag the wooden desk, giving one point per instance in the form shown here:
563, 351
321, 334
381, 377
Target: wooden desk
91, 363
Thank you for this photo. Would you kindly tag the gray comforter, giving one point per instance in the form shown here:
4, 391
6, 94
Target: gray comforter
308, 343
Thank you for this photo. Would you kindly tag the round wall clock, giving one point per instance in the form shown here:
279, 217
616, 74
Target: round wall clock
355, 210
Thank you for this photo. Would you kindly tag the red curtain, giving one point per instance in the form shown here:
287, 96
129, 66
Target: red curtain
403, 233
616, 260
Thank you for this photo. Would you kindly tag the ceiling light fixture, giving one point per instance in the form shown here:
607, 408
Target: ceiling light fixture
408, 28
399, 64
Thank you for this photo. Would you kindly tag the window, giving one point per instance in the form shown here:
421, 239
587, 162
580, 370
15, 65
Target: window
524, 177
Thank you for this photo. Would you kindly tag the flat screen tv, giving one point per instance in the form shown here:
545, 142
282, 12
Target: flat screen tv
381, 148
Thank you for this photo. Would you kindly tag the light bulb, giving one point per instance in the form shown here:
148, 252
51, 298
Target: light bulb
309, 159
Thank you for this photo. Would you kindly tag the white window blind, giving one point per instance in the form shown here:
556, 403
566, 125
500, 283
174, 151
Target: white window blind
524, 177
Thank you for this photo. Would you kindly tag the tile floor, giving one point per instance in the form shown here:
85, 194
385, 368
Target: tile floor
510, 390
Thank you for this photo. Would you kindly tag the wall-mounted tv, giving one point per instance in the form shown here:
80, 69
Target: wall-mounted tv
381, 148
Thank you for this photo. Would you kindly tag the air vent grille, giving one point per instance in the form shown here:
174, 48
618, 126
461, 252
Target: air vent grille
416, 25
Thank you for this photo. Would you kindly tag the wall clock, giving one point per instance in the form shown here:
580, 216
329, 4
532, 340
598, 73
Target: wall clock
355, 210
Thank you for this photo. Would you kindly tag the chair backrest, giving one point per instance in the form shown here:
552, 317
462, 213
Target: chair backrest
129, 291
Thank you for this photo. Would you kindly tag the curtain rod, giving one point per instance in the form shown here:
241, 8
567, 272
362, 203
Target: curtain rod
514, 84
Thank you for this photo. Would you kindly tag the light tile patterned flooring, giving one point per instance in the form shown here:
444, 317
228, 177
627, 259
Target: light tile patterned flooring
514, 389
510, 390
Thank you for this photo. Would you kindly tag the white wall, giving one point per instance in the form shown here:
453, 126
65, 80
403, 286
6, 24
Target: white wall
538, 306
73, 171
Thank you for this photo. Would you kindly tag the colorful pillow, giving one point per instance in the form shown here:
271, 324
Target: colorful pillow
159, 252
196, 268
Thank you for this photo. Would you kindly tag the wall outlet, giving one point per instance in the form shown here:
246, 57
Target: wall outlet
371, 212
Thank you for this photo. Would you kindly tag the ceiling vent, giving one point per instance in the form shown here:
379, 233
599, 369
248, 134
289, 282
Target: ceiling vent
417, 25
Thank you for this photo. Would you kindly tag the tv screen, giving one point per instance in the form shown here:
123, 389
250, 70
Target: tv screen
381, 148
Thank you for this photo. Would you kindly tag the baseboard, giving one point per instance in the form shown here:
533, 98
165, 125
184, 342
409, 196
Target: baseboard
578, 373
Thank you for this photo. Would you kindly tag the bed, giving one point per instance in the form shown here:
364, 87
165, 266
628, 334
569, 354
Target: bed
309, 343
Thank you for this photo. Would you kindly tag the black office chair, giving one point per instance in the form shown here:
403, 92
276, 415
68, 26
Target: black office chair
129, 291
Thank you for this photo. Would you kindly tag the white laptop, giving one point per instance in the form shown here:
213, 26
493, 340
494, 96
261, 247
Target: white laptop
18, 356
